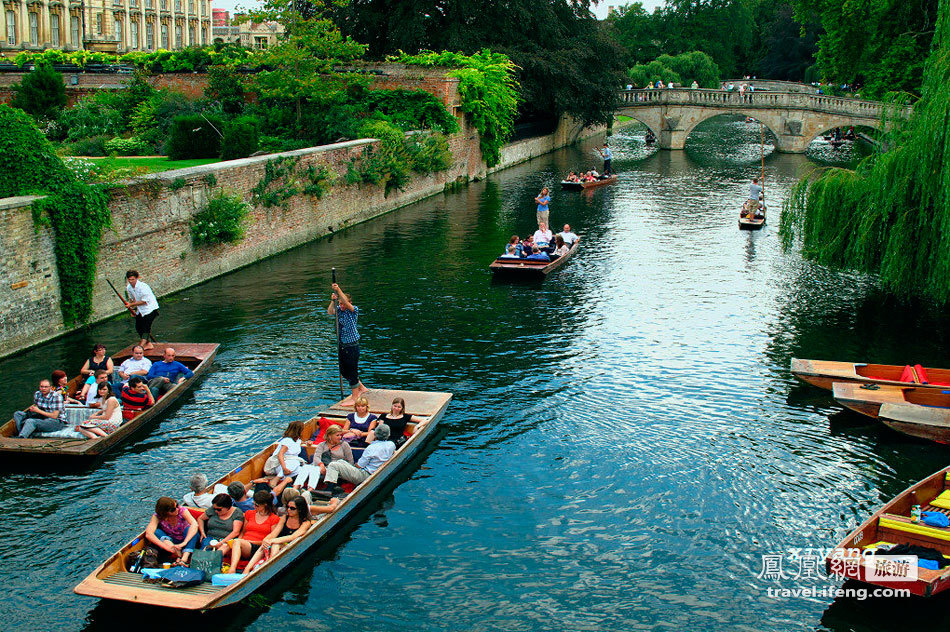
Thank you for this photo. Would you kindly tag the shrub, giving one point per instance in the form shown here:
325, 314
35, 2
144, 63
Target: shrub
152, 118
194, 136
93, 116
41, 93
127, 147
222, 221
92, 146
429, 153
240, 139
225, 87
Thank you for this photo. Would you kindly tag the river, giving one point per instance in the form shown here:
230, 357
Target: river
624, 447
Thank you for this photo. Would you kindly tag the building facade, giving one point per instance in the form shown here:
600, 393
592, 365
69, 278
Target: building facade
256, 35
117, 26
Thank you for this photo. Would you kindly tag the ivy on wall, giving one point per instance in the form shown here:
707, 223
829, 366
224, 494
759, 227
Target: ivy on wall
220, 222
76, 210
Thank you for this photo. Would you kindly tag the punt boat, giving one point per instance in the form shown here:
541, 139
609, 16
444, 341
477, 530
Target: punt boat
112, 580
867, 399
530, 268
854, 557
751, 223
580, 186
823, 373
196, 356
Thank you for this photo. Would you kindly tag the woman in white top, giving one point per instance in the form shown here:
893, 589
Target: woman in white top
107, 419
562, 248
288, 450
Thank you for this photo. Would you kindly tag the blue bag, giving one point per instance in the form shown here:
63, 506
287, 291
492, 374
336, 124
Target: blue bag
181, 577
935, 519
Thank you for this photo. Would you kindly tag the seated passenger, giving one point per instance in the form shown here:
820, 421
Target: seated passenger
107, 419
61, 385
397, 420
516, 242
90, 392
572, 177
220, 523
47, 414
594, 174
238, 492
358, 422
135, 397
173, 529
510, 253
543, 236
568, 236
537, 255
287, 529
331, 449
257, 525
198, 497
97, 361
165, 373
561, 248
528, 246
378, 452
138, 364
285, 460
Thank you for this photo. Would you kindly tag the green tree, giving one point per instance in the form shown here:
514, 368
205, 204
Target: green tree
41, 93
784, 48
635, 30
225, 87
302, 66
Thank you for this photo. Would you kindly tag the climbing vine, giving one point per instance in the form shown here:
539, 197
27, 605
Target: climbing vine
75, 209
391, 163
220, 222
279, 183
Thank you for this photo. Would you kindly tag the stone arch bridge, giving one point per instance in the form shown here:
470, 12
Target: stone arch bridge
796, 119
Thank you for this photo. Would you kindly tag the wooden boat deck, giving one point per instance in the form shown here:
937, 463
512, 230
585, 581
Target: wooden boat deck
196, 356
111, 580
824, 373
524, 267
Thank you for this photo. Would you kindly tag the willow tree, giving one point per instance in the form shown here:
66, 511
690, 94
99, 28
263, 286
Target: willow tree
890, 216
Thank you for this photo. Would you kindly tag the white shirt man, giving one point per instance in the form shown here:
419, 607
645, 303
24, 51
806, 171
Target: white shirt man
543, 236
138, 364
568, 236
140, 291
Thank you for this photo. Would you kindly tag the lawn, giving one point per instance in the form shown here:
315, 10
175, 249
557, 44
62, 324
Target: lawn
149, 164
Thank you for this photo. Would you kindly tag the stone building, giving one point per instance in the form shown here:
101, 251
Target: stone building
104, 25
257, 35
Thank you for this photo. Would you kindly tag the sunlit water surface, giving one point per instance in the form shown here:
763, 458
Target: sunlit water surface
625, 442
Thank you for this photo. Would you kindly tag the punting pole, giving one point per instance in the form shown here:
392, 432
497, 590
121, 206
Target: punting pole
336, 314
131, 309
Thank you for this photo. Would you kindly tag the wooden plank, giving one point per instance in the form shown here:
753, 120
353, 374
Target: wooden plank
421, 403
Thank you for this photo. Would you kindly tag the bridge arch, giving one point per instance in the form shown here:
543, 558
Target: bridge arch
756, 114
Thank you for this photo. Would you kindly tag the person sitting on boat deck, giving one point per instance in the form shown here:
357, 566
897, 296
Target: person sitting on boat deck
219, 523
571, 177
568, 236
135, 397
378, 452
173, 529
516, 242
397, 420
198, 497
510, 253
258, 523
561, 248
165, 373
107, 419
287, 496
47, 414
358, 422
331, 449
538, 255
288, 528
755, 192
90, 391
98, 360
238, 492
543, 237
284, 463
138, 364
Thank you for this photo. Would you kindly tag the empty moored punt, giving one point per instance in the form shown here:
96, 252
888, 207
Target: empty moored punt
196, 356
892, 525
923, 422
867, 399
528, 268
580, 186
113, 581
823, 373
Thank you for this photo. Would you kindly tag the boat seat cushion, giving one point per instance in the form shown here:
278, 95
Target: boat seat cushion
921, 374
907, 375
916, 528
69, 432
943, 500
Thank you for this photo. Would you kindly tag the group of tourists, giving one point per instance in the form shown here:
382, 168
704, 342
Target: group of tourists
585, 176
542, 245
251, 522
103, 396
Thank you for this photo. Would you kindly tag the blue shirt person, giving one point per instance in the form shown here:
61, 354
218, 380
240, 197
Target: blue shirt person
164, 374
607, 155
543, 200
349, 350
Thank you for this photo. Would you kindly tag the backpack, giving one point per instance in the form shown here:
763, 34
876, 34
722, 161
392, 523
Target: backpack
181, 577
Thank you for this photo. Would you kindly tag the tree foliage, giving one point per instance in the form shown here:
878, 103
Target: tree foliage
682, 69
41, 93
890, 216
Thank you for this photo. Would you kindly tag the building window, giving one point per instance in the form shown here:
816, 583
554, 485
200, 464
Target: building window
118, 30
191, 7
134, 25
150, 36
204, 35
148, 4
165, 36
11, 28
164, 5
178, 36
34, 29
191, 36
260, 43
133, 3
99, 24
54, 30
74, 30
178, 6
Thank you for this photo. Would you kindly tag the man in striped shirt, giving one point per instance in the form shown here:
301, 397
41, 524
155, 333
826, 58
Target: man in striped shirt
349, 350
47, 414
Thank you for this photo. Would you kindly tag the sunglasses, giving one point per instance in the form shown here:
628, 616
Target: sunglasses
291, 508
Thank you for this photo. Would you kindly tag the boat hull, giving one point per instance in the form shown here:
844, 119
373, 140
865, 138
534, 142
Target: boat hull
824, 373
580, 186
524, 268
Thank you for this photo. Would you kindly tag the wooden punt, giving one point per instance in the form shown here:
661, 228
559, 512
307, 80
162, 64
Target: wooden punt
924, 422
867, 399
580, 186
529, 268
851, 558
196, 356
824, 373
749, 223
111, 580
